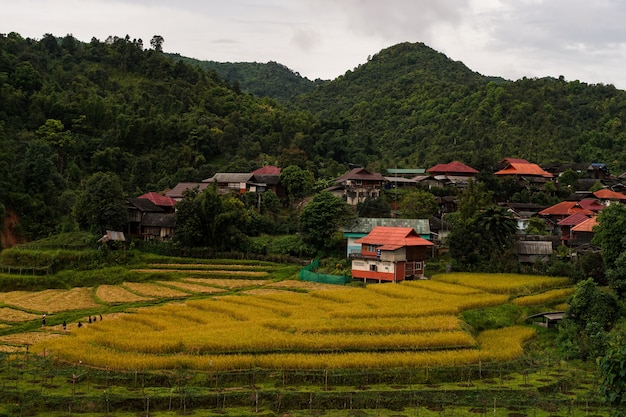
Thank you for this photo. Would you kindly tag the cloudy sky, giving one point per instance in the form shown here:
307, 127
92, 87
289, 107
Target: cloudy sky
579, 39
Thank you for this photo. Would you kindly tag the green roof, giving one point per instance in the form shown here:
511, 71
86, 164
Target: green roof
366, 225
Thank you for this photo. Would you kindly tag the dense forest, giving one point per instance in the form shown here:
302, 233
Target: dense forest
70, 109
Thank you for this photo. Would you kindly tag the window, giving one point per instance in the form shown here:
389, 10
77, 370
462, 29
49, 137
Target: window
371, 248
373, 267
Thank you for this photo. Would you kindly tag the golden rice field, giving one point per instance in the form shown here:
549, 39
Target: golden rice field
512, 284
546, 297
238, 318
293, 325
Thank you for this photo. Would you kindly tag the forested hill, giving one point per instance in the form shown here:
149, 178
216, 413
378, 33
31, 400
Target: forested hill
70, 109
410, 106
262, 80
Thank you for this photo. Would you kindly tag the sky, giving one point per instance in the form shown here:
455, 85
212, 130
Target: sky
582, 40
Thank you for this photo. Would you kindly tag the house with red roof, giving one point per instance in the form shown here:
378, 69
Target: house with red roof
583, 232
525, 172
165, 202
568, 223
560, 211
359, 184
390, 254
455, 173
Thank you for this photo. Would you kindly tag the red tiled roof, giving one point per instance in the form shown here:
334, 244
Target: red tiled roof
392, 238
517, 168
267, 170
565, 208
586, 226
574, 219
158, 199
606, 194
453, 167
591, 204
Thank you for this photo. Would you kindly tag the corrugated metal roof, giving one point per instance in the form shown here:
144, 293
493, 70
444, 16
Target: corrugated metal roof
112, 235
454, 167
533, 247
223, 177
565, 208
394, 236
606, 194
586, 226
573, 220
144, 205
181, 187
516, 168
158, 199
360, 174
367, 224
159, 219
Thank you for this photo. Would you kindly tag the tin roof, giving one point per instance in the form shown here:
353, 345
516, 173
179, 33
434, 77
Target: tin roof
606, 194
367, 224
586, 226
181, 187
392, 238
454, 167
158, 199
517, 168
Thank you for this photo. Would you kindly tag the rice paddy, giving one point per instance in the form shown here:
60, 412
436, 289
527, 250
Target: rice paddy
239, 321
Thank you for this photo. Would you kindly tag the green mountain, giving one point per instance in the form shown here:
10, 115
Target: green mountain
271, 79
411, 106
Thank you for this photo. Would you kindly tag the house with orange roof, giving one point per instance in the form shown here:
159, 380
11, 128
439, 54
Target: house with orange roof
390, 254
607, 196
568, 223
525, 172
582, 233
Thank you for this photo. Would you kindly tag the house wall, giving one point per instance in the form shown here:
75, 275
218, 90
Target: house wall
385, 271
394, 256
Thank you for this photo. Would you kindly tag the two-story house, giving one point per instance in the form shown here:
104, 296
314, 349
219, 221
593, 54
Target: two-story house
360, 184
390, 254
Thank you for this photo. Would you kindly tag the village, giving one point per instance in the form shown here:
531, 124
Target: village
393, 249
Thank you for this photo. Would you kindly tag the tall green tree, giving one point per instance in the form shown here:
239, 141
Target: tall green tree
610, 236
323, 218
418, 204
591, 314
298, 182
101, 205
613, 375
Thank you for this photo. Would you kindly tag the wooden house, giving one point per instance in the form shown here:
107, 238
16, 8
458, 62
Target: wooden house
360, 184
583, 233
390, 254
567, 224
228, 182
455, 173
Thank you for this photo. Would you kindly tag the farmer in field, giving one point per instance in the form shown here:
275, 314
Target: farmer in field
43, 321
64, 325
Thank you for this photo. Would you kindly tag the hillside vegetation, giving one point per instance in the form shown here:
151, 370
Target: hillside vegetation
70, 109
